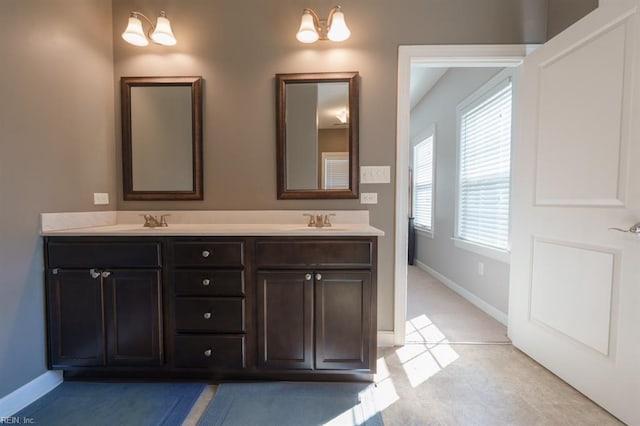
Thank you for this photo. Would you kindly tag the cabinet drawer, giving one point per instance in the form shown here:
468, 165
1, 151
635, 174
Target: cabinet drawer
210, 315
305, 253
209, 283
203, 253
211, 352
105, 255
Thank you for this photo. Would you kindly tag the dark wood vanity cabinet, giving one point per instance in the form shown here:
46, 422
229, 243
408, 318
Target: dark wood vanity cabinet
103, 304
208, 276
315, 300
212, 307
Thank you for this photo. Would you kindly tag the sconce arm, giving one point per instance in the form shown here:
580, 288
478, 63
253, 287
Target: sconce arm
333, 10
136, 14
316, 18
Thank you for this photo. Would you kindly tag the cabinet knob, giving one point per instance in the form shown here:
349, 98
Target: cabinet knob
206, 282
206, 253
94, 273
106, 274
307, 277
208, 353
318, 277
207, 315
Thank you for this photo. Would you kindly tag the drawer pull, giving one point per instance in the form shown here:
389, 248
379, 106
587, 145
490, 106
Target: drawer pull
207, 315
318, 277
206, 282
307, 277
208, 353
206, 253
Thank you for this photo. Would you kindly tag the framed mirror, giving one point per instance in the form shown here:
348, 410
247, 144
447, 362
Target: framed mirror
317, 135
162, 138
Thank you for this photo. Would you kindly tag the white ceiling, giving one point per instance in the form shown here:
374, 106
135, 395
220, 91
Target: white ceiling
423, 78
332, 98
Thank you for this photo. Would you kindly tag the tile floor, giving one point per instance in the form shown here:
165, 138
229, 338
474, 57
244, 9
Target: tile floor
436, 380
446, 383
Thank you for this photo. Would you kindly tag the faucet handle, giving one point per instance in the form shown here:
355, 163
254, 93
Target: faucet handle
149, 220
326, 221
312, 220
163, 220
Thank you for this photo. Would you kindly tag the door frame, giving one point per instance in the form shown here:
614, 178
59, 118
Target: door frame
481, 55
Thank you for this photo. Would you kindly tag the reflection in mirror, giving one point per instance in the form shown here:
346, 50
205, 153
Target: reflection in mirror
162, 138
317, 135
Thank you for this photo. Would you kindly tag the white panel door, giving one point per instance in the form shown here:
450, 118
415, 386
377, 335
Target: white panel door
574, 302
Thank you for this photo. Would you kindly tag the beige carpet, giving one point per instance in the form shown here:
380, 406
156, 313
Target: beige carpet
436, 314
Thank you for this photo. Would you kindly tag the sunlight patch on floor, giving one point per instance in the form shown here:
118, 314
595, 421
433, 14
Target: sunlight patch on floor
422, 329
385, 391
422, 361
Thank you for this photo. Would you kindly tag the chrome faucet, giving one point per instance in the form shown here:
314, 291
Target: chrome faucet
319, 221
151, 221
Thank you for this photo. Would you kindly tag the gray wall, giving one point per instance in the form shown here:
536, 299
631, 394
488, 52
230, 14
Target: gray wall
238, 50
439, 107
563, 13
56, 136
60, 74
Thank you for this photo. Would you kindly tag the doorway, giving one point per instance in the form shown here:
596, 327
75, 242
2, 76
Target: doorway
480, 56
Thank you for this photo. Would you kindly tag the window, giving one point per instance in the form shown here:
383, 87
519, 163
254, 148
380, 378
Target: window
484, 165
335, 170
423, 184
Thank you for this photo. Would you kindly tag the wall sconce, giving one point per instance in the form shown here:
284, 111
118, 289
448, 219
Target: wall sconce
342, 116
160, 33
312, 28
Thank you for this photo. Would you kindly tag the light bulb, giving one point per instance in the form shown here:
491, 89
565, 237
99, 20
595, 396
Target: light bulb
134, 33
307, 32
338, 30
162, 33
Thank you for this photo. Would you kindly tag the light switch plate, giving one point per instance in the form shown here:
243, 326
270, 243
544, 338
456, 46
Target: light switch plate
100, 198
369, 198
375, 174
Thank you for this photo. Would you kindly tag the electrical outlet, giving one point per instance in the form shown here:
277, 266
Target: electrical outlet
375, 174
480, 268
369, 198
100, 198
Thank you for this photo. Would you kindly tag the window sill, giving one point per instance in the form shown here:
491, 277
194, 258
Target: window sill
424, 232
499, 255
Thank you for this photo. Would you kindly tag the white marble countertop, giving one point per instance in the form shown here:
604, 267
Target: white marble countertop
209, 223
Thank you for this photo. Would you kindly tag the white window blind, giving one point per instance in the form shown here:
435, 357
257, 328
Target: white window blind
335, 170
484, 168
423, 184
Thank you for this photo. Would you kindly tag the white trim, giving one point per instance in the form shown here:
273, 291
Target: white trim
486, 251
436, 56
424, 232
385, 339
485, 307
25, 395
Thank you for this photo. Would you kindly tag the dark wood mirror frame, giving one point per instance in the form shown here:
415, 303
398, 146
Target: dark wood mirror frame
281, 135
195, 83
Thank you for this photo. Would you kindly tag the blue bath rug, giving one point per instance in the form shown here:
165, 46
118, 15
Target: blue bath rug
97, 404
289, 403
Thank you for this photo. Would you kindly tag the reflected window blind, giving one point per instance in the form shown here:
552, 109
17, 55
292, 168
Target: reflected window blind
336, 173
484, 169
423, 184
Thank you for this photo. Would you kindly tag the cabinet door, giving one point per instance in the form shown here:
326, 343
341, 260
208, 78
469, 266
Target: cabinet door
285, 314
133, 317
343, 320
76, 327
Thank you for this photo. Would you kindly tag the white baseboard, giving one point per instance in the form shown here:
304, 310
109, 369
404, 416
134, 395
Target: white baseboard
490, 310
25, 395
386, 338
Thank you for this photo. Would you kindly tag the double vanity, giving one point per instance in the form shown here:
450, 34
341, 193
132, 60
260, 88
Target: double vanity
213, 295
